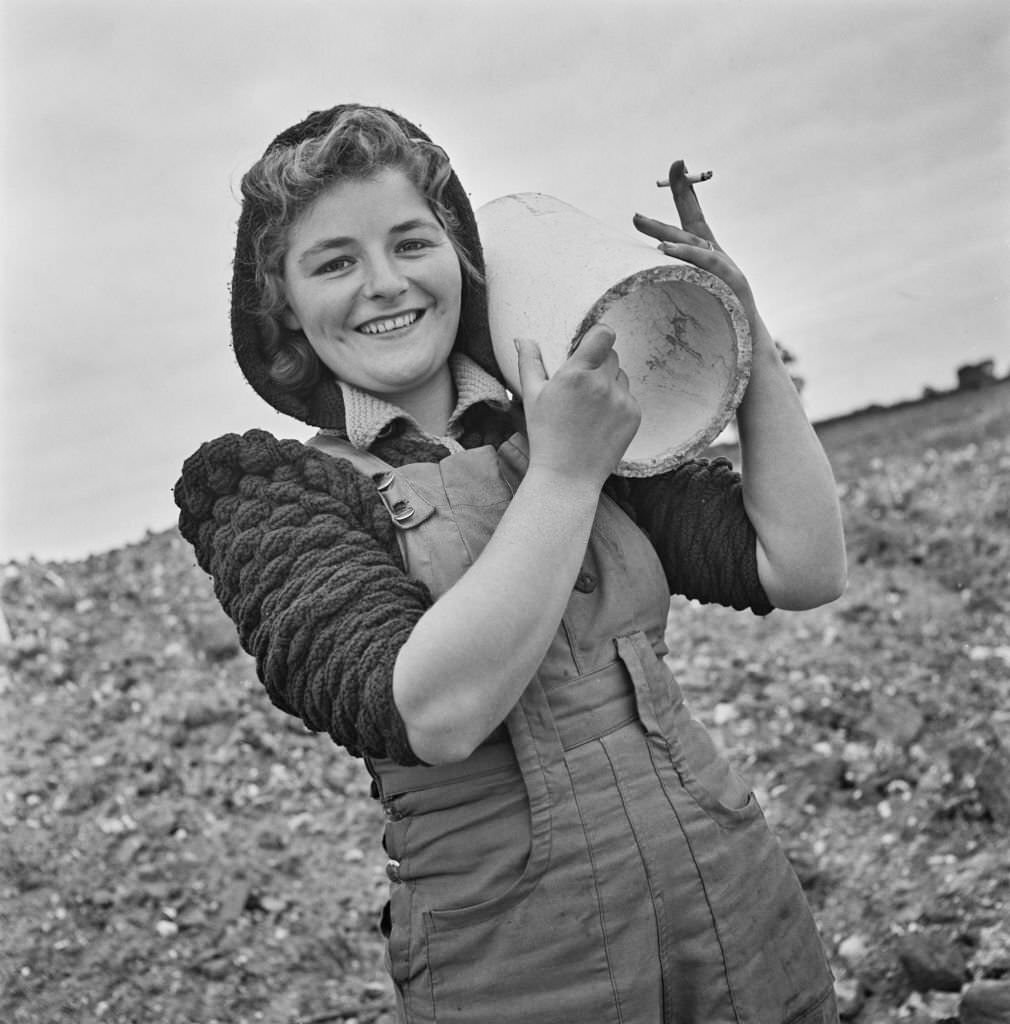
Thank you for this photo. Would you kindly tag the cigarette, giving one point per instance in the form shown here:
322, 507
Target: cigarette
691, 179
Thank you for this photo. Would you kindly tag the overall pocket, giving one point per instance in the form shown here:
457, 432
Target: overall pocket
468, 850
703, 770
707, 775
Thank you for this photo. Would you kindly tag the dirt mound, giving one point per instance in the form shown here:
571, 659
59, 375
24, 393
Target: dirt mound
175, 849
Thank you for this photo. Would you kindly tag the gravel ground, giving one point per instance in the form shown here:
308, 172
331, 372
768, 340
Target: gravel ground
174, 849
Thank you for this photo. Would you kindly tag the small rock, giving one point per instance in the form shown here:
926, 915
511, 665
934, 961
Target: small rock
18, 767
992, 957
214, 636
27, 645
216, 967
270, 839
723, 714
930, 1008
850, 997
201, 713
985, 1002
943, 1006
192, 917
117, 826
964, 759
160, 820
932, 964
895, 720
166, 929
129, 849
852, 951
233, 901
805, 864
993, 782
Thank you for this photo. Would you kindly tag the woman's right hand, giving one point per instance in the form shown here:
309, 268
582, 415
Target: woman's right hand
580, 421
473, 652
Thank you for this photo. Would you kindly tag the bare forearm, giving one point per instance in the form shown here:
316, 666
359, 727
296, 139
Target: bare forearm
789, 489
474, 651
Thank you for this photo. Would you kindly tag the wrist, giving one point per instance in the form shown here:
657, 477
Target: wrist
760, 336
576, 488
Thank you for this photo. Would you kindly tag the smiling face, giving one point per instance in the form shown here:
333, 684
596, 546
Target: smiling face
374, 283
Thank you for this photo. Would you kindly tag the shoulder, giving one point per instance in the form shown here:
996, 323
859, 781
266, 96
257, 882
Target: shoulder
218, 467
256, 477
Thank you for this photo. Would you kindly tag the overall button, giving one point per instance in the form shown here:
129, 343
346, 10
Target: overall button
384, 482
585, 582
402, 511
393, 871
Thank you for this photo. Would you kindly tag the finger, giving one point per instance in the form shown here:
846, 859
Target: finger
713, 260
686, 201
594, 346
663, 232
699, 254
532, 372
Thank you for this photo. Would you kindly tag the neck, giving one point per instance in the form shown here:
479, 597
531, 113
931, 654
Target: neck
431, 406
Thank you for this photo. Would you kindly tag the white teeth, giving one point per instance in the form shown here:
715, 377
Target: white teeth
382, 326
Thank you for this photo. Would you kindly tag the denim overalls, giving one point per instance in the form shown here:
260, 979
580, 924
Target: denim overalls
596, 861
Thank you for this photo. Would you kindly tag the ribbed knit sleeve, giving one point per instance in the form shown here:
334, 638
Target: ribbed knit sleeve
695, 517
305, 562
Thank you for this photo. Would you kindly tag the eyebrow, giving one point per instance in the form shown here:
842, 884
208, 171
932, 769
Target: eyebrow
342, 241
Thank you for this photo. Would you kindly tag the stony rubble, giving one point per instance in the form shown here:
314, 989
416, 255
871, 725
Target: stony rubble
173, 848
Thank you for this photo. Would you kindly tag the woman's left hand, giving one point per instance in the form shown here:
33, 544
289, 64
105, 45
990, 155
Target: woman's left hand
788, 488
694, 242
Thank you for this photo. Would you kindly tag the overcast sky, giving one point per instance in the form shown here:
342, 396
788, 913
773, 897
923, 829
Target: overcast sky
861, 153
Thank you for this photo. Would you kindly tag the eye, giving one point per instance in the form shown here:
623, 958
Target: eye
414, 245
335, 266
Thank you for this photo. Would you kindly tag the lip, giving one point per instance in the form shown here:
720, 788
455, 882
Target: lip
419, 315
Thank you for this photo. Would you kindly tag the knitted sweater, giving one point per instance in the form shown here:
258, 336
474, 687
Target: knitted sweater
305, 561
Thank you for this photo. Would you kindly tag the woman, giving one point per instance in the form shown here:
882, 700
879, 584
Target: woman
456, 588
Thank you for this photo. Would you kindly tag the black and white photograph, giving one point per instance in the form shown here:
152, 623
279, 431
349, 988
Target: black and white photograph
505, 512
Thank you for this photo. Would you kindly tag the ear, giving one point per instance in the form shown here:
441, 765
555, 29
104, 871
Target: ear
290, 320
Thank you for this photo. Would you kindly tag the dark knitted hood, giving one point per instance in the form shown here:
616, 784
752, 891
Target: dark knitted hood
324, 407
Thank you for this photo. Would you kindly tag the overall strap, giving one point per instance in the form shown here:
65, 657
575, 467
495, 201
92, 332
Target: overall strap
363, 461
407, 509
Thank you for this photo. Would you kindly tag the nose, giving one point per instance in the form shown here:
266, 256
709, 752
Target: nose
384, 278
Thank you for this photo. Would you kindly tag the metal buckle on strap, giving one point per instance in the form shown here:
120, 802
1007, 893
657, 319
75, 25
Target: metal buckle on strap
401, 512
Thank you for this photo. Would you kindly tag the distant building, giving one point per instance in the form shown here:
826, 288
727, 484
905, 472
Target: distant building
973, 376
